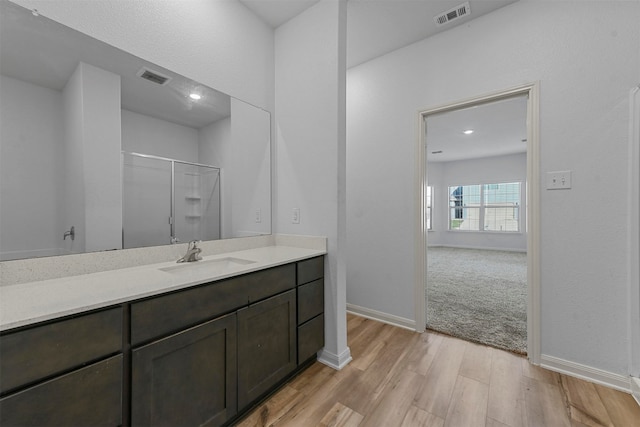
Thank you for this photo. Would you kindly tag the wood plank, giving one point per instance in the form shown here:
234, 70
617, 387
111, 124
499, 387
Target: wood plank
416, 417
377, 390
435, 394
423, 352
341, 416
506, 400
476, 363
538, 373
621, 407
544, 404
273, 409
397, 398
468, 404
585, 404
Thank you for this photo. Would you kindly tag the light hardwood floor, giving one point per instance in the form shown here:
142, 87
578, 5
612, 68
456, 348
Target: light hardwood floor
401, 378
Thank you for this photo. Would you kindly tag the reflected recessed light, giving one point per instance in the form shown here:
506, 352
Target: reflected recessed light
468, 132
195, 96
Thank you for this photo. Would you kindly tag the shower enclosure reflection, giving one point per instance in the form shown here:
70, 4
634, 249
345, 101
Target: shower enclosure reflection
168, 201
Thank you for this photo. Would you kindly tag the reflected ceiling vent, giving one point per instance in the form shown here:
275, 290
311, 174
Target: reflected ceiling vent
453, 14
153, 76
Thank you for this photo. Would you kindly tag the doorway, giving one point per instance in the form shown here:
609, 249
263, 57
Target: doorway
469, 207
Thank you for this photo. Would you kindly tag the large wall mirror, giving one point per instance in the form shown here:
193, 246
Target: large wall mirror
127, 153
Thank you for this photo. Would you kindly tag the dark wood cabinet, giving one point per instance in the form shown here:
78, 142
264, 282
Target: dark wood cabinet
199, 356
187, 379
266, 345
310, 300
90, 396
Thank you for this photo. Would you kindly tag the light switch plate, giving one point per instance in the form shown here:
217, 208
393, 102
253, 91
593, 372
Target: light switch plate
559, 180
295, 218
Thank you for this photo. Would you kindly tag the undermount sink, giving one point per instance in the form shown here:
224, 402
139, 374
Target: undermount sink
209, 266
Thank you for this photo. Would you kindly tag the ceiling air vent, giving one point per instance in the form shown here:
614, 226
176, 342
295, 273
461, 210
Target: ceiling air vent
455, 13
153, 76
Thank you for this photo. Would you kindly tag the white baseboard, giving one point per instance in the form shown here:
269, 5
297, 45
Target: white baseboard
635, 389
485, 248
382, 317
335, 361
598, 376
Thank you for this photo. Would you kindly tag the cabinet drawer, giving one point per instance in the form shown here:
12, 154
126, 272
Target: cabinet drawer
311, 269
90, 396
32, 354
267, 283
310, 300
167, 314
171, 313
310, 338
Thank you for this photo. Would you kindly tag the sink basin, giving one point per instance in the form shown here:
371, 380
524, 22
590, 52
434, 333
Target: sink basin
214, 266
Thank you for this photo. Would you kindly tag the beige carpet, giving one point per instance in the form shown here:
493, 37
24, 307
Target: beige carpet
478, 295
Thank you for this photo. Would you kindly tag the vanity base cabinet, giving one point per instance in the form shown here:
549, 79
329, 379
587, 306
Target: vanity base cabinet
90, 396
266, 345
187, 379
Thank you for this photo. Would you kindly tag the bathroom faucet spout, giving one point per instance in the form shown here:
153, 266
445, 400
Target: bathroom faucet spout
193, 253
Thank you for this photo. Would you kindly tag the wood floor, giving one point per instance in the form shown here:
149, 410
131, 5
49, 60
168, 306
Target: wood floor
402, 378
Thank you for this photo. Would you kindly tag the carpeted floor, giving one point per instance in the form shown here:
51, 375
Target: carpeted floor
478, 295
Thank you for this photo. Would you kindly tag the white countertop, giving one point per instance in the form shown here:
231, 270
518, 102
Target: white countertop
28, 303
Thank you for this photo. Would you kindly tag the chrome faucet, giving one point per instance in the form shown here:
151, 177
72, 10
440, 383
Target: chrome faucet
193, 253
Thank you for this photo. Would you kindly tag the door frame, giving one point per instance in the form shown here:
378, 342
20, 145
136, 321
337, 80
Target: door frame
533, 208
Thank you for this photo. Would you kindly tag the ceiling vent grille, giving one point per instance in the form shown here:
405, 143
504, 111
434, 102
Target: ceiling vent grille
453, 14
153, 76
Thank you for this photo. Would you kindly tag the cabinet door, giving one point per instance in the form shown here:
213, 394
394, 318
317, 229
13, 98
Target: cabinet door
187, 379
266, 345
90, 396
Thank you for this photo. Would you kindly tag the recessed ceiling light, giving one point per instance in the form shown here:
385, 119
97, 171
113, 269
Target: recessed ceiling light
194, 96
468, 132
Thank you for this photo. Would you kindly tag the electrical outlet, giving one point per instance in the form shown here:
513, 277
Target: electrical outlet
560, 180
295, 218
258, 215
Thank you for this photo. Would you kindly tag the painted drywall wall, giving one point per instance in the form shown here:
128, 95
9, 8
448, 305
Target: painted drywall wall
310, 147
215, 147
74, 202
93, 196
31, 134
218, 43
149, 135
586, 57
488, 170
249, 174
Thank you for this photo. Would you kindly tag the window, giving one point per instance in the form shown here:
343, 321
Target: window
485, 207
429, 206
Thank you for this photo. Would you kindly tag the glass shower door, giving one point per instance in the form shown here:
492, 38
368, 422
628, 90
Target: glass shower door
146, 206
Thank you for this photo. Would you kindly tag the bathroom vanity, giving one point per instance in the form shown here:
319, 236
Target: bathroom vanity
198, 352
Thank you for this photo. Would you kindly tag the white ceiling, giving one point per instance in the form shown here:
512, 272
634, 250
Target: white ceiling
499, 128
377, 27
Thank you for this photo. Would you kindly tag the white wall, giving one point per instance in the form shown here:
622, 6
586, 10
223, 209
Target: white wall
248, 177
148, 135
310, 148
586, 57
488, 170
31, 133
100, 100
73, 166
215, 147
